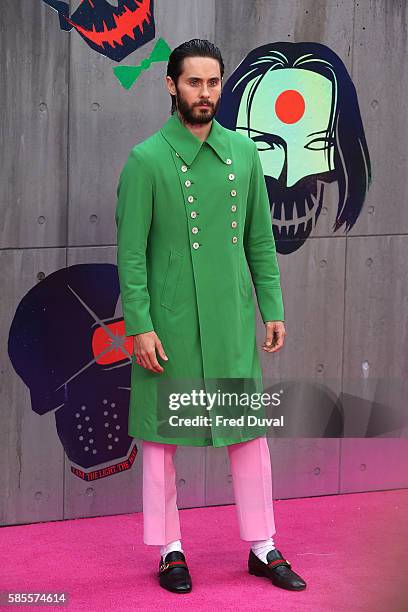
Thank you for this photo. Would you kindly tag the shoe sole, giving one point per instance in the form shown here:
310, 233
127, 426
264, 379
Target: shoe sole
175, 590
262, 575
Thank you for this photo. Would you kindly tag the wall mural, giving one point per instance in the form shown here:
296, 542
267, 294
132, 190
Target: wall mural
71, 352
114, 31
298, 103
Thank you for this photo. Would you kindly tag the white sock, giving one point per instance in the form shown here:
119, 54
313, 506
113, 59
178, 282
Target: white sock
166, 548
261, 547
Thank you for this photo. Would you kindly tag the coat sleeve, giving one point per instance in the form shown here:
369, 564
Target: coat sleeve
133, 219
260, 249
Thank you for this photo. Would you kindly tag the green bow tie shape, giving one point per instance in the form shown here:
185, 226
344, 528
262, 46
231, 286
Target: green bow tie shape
127, 75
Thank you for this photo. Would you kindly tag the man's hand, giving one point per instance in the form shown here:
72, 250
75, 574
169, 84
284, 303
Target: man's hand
275, 336
144, 347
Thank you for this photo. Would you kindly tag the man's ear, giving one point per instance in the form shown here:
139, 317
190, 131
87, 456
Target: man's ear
170, 85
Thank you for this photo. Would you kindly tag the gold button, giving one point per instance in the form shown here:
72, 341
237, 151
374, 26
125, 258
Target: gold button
234, 224
233, 208
190, 199
193, 214
233, 193
187, 183
228, 161
234, 239
195, 245
184, 168
231, 176
194, 230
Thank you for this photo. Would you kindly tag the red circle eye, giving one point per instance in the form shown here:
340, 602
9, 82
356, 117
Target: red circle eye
290, 106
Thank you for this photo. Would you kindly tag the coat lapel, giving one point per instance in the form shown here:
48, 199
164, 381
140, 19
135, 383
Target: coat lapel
187, 145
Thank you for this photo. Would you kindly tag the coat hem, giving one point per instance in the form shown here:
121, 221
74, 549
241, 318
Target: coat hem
195, 442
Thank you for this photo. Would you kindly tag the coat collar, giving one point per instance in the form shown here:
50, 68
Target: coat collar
187, 145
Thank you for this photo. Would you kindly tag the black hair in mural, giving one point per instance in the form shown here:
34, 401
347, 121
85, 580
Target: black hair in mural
114, 31
196, 47
344, 133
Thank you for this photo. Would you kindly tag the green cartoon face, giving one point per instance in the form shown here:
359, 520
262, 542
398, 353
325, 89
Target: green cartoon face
297, 102
287, 115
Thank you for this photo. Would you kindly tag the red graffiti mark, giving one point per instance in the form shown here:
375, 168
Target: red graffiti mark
290, 106
115, 339
126, 23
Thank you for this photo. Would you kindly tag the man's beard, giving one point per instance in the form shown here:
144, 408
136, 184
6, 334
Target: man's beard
295, 209
194, 115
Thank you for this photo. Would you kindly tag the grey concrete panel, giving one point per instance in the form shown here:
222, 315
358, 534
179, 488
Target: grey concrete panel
373, 464
312, 280
106, 120
31, 455
242, 26
304, 467
380, 76
376, 360
375, 349
33, 137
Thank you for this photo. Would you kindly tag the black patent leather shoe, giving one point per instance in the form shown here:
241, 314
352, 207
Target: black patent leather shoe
277, 569
173, 573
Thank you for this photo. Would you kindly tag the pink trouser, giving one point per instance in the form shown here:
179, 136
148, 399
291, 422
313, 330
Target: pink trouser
251, 471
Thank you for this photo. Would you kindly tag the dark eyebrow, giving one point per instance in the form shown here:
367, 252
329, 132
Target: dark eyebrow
315, 133
199, 79
273, 137
249, 129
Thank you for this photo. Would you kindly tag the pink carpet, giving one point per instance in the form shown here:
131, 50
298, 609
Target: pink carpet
352, 550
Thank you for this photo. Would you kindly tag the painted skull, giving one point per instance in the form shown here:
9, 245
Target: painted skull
114, 29
69, 348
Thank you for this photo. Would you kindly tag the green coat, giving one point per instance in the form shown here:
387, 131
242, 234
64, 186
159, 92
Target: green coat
190, 216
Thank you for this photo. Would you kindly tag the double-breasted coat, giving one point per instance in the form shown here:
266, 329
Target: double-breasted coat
193, 226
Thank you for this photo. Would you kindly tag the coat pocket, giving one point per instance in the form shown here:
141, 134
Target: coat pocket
245, 279
171, 280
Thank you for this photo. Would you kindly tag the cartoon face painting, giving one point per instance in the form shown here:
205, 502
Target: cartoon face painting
70, 350
298, 104
114, 29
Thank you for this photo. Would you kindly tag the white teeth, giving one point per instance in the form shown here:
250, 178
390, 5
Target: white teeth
314, 198
296, 220
295, 215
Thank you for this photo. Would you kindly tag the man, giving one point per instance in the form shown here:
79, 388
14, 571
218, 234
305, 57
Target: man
192, 215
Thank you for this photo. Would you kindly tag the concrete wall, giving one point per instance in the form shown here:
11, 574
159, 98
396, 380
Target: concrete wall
66, 130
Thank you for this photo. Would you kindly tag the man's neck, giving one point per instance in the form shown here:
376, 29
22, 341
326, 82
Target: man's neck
200, 130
